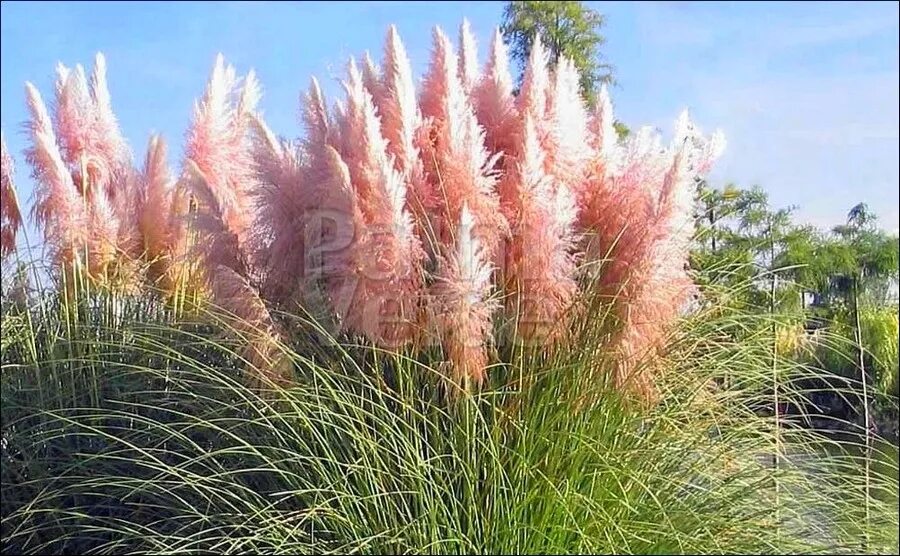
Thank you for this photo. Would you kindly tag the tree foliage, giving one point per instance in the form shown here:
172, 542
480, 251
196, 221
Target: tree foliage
568, 29
824, 277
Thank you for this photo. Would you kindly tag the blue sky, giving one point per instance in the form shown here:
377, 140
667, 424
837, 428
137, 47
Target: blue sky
807, 93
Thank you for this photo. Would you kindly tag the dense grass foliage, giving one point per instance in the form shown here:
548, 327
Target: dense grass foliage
125, 429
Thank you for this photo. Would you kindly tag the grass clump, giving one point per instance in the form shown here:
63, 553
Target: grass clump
137, 433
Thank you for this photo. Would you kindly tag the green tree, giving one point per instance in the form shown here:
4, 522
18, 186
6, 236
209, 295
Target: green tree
868, 259
732, 246
871, 258
568, 29
622, 130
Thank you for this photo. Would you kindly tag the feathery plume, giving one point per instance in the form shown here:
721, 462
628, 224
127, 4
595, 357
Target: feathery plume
462, 306
217, 245
98, 158
103, 239
331, 219
389, 281
401, 121
494, 101
110, 144
371, 76
315, 117
161, 218
461, 172
654, 288
62, 75
219, 143
468, 57
75, 125
88, 132
533, 98
640, 214
344, 245
122, 186
284, 197
430, 140
568, 154
604, 164
397, 104
539, 271
701, 152
10, 216
443, 70
59, 209
531, 103
248, 317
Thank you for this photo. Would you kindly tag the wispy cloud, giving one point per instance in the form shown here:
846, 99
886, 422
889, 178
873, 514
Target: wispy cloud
807, 94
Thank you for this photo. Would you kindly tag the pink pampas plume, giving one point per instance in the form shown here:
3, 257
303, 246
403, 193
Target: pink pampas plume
88, 132
161, 219
541, 201
431, 140
103, 240
319, 130
75, 127
284, 196
462, 306
461, 172
568, 152
340, 114
158, 189
111, 144
100, 163
401, 121
536, 92
640, 215
62, 76
602, 135
10, 216
331, 217
603, 142
220, 130
123, 185
400, 115
92, 171
248, 317
494, 101
346, 255
468, 57
530, 103
701, 152
655, 287
59, 209
216, 245
389, 282
540, 268
443, 73
371, 76
443, 69
219, 143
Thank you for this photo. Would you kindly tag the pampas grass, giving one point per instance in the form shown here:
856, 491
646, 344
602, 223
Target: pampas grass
359, 222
